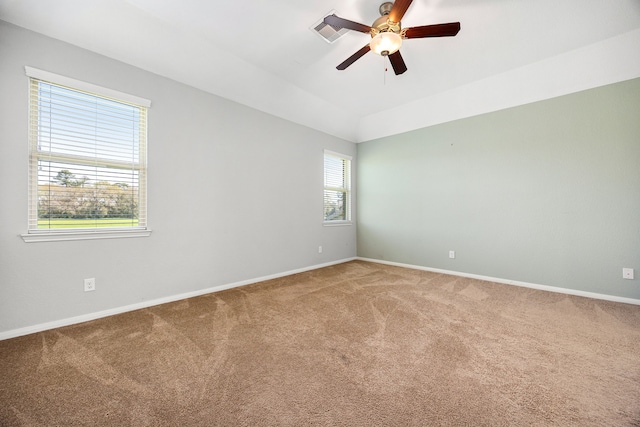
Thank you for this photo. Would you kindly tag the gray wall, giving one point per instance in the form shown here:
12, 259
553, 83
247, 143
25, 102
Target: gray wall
547, 193
234, 194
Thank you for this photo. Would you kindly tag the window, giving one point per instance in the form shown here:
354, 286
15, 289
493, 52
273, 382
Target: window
337, 187
87, 159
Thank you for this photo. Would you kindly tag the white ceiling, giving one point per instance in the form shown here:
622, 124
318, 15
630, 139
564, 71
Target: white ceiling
264, 55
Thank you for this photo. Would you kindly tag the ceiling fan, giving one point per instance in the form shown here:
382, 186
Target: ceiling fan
387, 33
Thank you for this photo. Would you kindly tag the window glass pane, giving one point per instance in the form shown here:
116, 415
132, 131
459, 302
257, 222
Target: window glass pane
78, 196
79, 124
333, 172
335, 205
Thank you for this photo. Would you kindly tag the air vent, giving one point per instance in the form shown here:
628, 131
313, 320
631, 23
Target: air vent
327, 32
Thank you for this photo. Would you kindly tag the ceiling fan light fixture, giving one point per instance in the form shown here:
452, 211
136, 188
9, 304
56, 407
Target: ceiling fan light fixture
386, 43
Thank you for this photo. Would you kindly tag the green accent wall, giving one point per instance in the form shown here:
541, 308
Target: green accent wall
546, 193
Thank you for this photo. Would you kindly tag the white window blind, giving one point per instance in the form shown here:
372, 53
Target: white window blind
87, 160
337, 187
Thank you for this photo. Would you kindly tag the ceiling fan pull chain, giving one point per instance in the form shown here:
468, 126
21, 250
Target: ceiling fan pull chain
384, 73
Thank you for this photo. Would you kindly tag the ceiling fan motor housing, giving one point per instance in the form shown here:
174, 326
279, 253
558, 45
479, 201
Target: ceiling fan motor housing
383, 25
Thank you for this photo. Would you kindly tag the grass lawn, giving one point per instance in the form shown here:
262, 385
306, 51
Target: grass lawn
86, 223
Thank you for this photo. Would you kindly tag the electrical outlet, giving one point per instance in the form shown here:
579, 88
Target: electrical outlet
452, 254
89, 284
319, 249
627, 273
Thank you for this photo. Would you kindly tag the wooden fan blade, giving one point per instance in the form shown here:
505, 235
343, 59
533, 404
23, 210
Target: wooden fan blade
353, 58
397, 63
338, 22
398, 10
438, 30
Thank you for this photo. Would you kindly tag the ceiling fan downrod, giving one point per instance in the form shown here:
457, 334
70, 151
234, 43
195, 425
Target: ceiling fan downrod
385, 8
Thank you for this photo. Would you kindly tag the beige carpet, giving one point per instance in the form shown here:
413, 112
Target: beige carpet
357, 344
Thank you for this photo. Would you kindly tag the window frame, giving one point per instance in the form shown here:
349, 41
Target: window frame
346, 188
48, 235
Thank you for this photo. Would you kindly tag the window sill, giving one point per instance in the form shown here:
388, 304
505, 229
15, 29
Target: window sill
82, 235
337, 223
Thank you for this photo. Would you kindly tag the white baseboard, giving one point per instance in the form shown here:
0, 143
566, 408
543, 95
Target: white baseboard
511, 282
145, 304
